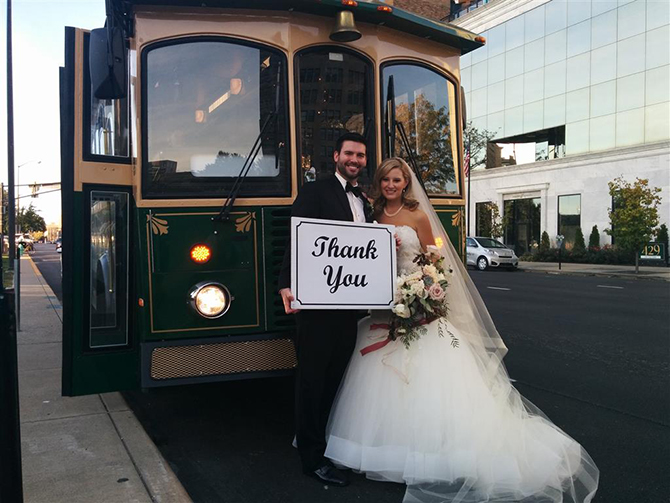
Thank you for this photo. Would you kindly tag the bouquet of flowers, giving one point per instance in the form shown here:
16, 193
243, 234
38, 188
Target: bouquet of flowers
420, 298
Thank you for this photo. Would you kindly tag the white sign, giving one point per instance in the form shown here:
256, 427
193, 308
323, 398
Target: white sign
342, 265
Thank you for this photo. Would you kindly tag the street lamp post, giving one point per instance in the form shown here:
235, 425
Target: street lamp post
18, 189
17, 262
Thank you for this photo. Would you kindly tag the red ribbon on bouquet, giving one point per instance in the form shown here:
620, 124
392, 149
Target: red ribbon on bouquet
379, 344
385, 326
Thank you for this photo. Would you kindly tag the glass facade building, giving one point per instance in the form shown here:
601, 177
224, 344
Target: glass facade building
574, 94
600, 69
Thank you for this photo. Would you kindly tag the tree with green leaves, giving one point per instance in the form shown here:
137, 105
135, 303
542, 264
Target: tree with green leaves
579, 247
5, 208
477, 141
634, 214
29, 220
594, 238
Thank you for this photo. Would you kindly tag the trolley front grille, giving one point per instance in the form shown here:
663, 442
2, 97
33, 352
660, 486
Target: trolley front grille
225, 358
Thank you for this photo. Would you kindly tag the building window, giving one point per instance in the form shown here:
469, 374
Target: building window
527, 148
484, 219
569, 218
522, 224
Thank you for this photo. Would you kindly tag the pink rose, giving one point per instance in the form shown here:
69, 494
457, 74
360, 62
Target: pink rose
436, 292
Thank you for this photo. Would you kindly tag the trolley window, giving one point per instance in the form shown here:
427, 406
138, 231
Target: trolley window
205, 103
105, 132
334, 97
424, 103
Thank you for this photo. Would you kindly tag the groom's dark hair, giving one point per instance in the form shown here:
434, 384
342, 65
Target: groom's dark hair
357, 137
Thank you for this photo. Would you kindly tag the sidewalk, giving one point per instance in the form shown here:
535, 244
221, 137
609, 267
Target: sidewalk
618, 271
83, 449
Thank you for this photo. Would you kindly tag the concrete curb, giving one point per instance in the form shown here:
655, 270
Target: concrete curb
595, 274
157, 478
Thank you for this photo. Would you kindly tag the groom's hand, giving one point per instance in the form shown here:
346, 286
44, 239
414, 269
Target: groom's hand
287, 297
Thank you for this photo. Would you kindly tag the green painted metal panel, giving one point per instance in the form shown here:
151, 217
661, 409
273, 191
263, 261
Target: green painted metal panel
276, 233
85, 370
452, 218
235, 262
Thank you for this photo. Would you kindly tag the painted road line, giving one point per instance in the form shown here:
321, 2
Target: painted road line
498, 288
610, 286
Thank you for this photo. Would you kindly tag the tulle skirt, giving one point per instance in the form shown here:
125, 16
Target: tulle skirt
454, 430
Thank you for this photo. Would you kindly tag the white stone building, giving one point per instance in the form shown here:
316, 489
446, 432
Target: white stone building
576, 93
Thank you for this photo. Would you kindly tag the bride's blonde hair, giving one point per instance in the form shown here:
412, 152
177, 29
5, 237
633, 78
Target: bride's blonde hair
384, 168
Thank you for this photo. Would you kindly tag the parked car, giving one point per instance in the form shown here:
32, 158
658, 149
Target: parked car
483, 253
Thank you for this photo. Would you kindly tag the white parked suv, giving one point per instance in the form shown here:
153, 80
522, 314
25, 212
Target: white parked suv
488, 252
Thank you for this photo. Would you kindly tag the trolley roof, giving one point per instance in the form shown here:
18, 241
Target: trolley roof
364, 11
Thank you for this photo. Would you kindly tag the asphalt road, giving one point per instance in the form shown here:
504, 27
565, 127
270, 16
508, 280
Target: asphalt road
592, 353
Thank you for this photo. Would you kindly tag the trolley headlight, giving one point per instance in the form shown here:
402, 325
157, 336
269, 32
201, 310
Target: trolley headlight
209, 299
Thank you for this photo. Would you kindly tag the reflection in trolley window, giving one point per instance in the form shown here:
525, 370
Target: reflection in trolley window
425, 108
206, 103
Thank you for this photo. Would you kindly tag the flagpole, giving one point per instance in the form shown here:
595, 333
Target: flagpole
467, 220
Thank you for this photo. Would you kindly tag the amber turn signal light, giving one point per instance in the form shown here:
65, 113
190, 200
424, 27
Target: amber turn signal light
200, 254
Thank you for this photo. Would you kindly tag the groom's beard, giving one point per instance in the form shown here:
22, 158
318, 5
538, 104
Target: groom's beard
341, 168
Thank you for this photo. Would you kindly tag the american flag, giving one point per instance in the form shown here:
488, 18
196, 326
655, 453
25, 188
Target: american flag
466, 163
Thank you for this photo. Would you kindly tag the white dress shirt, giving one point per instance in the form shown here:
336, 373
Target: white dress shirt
355, 203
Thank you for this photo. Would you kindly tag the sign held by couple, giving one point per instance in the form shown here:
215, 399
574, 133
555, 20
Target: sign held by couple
342, 265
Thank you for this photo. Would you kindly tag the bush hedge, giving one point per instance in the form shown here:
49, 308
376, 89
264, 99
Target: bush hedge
596, 255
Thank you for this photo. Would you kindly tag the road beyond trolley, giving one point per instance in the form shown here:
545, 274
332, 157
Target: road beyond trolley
82, 449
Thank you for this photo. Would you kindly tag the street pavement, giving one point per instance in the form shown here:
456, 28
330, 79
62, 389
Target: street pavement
82, 449
590, 351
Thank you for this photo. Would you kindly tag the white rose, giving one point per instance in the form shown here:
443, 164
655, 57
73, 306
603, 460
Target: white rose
431, 271
401, 310
414, 277
418, 289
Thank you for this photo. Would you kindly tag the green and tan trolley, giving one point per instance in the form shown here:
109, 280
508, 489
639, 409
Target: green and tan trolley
187, 130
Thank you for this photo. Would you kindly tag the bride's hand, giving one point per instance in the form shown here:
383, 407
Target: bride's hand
287, 297
398, 241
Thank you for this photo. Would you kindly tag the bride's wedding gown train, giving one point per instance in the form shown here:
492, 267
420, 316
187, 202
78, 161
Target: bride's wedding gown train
436, 418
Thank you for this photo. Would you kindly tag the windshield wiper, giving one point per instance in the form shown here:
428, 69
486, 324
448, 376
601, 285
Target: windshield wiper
392, 125
224, 214
412, 159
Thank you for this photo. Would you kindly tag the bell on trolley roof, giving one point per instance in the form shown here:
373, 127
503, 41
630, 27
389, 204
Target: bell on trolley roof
345, 28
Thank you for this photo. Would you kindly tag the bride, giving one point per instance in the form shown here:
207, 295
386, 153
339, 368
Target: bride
442, 416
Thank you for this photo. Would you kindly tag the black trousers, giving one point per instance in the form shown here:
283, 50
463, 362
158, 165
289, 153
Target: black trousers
325, 341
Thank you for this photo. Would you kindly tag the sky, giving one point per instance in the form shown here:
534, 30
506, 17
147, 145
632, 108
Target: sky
38, 51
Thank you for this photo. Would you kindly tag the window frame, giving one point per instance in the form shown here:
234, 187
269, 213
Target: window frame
460, 182
558, 210
130, 341
144, 159
371, 149
87, 156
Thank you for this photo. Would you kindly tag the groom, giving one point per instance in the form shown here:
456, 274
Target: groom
325, 339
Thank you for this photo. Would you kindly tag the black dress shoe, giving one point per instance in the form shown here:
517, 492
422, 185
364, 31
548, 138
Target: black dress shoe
330, 475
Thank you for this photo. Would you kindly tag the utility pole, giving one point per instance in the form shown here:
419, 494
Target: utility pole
11, 479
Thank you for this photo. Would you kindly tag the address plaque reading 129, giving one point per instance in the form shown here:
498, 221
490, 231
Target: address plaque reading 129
342, 265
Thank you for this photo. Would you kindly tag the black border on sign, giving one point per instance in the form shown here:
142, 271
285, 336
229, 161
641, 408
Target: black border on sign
297, 264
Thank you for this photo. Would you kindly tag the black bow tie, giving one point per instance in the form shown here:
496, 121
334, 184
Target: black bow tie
354, 190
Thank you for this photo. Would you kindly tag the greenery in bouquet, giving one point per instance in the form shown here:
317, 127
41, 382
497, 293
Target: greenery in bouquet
421, 297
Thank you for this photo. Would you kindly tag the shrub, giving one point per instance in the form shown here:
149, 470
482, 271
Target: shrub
594, 238
544, 243
579, 248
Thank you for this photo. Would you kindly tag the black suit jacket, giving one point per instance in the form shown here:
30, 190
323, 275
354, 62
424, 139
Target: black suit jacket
325, 199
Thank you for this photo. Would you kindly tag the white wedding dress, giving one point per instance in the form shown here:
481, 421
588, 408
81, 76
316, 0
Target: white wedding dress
437, 418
